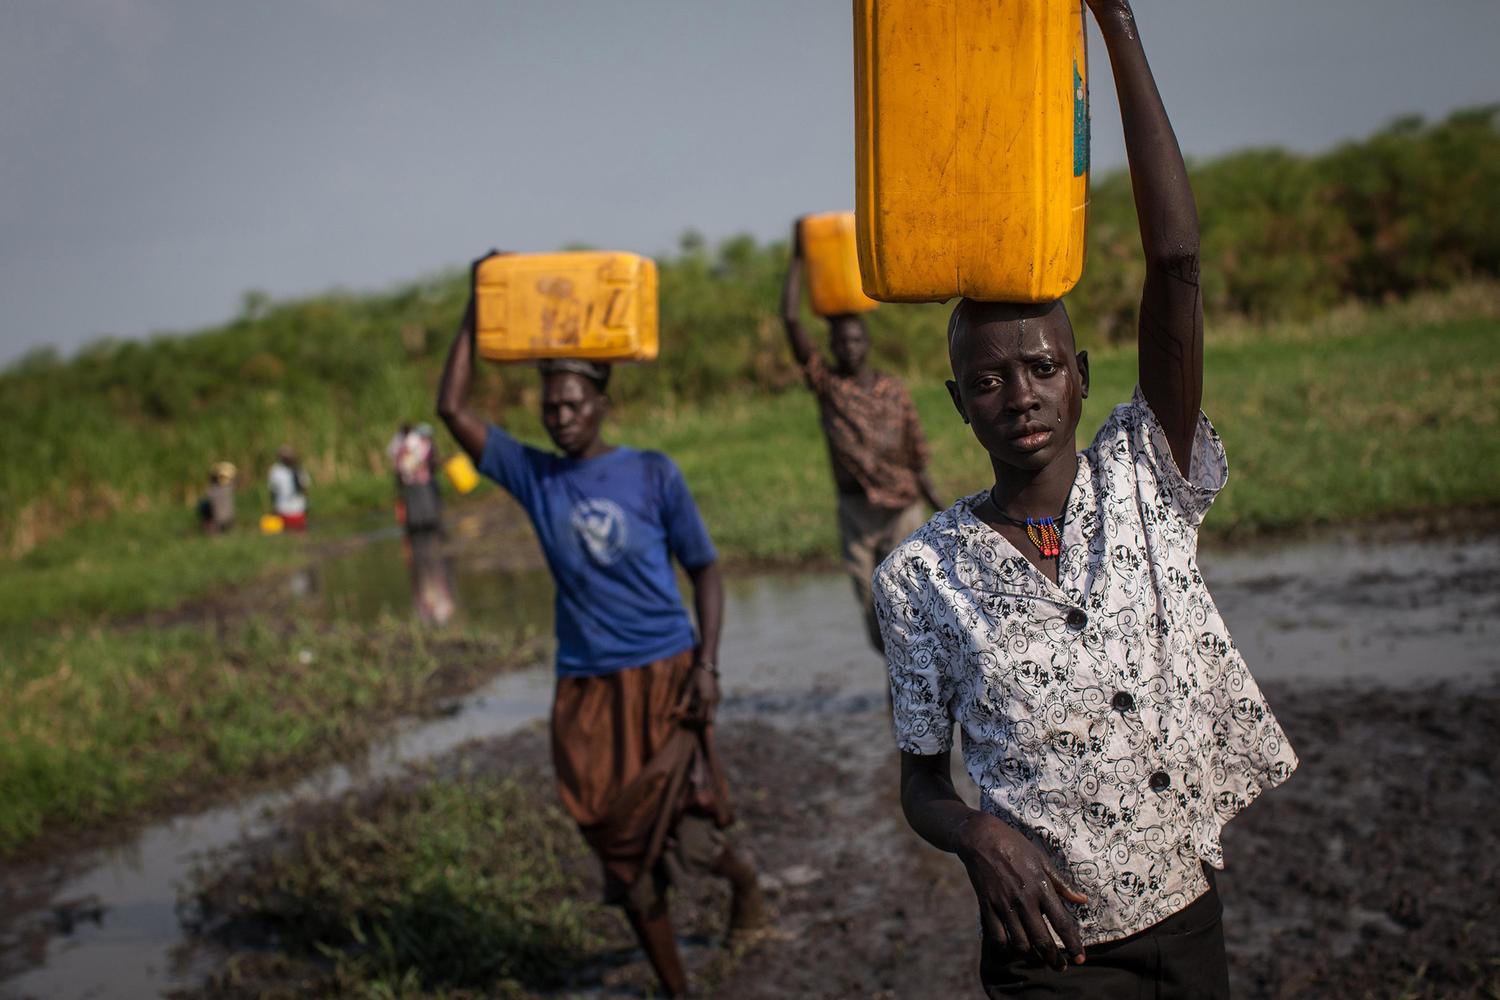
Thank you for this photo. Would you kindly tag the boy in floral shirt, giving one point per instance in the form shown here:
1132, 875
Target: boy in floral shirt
1059, 619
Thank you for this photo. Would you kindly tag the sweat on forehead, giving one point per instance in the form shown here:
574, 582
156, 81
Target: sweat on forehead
970, 315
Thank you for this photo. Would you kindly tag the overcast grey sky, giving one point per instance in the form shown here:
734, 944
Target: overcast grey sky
160, 157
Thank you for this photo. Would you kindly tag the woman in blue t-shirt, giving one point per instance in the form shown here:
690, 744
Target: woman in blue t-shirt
636, 691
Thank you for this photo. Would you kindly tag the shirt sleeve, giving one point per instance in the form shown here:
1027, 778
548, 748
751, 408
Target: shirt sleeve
915, 652
511, 464
1208, 471
815, 372
687, 536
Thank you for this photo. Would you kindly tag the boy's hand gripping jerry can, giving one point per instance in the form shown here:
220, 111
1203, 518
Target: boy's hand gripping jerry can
833, 282
596, 305
971, 148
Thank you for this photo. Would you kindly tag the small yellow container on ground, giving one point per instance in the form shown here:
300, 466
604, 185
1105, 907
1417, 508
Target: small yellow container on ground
595, 305
271, 524
833, 281
461, 473
971, 148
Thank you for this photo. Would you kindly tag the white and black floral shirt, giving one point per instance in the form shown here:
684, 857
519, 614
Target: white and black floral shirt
1108, 716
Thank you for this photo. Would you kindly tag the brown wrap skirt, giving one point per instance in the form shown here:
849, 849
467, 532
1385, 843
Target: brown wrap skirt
647, 792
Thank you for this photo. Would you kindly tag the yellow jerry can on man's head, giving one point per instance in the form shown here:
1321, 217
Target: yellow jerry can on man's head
833, 282
597, 305
971, 148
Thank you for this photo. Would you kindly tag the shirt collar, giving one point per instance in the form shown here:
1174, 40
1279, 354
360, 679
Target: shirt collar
986, 562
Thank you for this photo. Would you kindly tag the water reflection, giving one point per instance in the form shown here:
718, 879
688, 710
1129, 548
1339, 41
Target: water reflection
431, 586
439, 579
793, 652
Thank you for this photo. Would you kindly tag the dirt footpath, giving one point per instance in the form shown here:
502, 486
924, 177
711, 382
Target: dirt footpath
1371, 873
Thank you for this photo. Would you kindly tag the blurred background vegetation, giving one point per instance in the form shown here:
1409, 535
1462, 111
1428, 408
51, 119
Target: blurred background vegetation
129, 426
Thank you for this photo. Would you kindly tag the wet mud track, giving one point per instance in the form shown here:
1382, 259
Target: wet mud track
1370, 873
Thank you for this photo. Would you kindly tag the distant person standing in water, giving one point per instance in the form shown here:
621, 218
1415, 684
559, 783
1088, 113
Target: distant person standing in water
414, 454
632, 717
216, 509
875, 441
288, 483
393, 450
1059, 620
416, 460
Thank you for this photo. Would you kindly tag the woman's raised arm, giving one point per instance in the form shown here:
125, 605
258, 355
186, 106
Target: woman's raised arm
791, 301
467, 427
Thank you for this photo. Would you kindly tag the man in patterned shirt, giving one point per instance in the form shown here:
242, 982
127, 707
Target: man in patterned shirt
875, 441
1059, 619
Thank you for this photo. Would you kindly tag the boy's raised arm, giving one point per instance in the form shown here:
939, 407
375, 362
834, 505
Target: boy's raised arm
1171, 323
791, 302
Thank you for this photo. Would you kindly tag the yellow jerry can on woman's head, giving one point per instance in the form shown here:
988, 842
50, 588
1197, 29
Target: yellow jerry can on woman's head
461, 473
833, 282
598, 305
971, 148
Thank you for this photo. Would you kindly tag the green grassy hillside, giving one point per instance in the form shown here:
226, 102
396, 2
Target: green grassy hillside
130, 426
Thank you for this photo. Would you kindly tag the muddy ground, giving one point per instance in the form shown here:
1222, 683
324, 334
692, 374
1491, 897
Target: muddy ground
1371, 873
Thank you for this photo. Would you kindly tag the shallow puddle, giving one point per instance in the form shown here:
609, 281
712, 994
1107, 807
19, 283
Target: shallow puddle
793, 647
1393, 613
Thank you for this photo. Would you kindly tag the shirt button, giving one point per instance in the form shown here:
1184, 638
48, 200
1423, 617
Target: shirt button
1077, 619
1123, 701
1160, 781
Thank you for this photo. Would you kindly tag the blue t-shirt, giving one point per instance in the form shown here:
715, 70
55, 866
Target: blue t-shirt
609, 527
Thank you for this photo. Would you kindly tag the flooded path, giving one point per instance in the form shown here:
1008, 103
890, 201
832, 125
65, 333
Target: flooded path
1383, 615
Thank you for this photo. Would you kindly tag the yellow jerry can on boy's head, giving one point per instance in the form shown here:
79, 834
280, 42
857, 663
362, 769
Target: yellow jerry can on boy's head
598, 305
971, 148
461, 473
833, 282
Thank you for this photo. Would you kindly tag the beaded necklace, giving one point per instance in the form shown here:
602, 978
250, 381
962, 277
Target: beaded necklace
1045, 532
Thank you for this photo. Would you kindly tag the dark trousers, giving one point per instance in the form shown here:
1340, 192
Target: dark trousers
1180, 958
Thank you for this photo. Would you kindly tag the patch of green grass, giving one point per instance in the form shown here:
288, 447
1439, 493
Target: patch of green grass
131, 563
1394, 414
1397, 416
1399, 419
98, 724
431, 887
1361, 414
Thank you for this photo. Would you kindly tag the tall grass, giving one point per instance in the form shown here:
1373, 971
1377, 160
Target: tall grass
440, 886
98, 724
1378, 415
127, 426
1365, 412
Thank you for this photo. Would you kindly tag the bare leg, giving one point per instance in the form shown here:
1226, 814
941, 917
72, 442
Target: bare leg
747, 909
654, 930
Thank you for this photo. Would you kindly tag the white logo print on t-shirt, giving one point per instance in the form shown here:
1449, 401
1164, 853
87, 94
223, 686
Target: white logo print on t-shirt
601, 525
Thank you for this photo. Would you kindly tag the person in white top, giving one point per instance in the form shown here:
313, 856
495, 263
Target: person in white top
416, 461
1058, 618
288, 483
